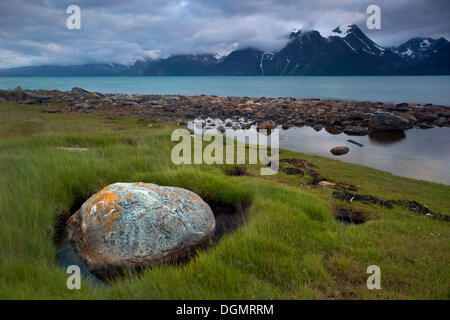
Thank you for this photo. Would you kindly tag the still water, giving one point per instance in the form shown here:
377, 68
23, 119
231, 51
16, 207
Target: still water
415, 153
418, 153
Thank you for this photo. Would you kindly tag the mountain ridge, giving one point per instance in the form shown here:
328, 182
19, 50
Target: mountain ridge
346, 52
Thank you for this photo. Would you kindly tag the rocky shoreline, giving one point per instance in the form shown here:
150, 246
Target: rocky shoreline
350, 117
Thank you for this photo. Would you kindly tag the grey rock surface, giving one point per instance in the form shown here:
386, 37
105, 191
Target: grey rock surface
138, 224
385, 121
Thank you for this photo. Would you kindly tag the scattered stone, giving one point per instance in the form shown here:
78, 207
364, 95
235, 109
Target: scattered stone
441, 122
401, 105
85, 106
426, 126
356, 131
267, 125
299, 122
36, 98
338, 151
138, 224
356, 143
93, 95
426, 117
318, 127
333, 131
221, 129
327, 184
347, 186
385, 121
332, 118
336, 186
356, 115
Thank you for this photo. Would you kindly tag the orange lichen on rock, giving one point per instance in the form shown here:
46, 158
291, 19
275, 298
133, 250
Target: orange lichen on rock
134, 224
103, 209
193, 197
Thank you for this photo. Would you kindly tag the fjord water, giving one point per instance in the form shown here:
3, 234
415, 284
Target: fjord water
413, 89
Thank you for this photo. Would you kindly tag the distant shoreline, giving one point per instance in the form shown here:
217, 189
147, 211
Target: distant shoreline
351, 117
410, 89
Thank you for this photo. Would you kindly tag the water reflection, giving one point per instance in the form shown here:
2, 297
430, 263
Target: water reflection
423, 155
332, 130
387, 137
415, 153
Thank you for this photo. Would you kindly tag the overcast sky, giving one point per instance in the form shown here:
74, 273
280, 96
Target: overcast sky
34, 32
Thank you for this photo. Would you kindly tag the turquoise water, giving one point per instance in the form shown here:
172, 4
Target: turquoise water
419, 89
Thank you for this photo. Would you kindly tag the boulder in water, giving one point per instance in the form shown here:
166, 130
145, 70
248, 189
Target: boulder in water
385, 121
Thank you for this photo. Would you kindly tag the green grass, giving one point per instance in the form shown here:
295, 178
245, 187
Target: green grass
291, 248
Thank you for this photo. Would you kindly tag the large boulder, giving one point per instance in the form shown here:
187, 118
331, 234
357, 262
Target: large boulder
385, 121
138, 224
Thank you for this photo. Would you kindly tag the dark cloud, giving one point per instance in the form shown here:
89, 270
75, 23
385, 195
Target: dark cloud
34, 32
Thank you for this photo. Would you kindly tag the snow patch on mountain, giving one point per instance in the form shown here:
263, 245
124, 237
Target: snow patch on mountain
408, 52
350, 46
342, 31
425, 43
270, 57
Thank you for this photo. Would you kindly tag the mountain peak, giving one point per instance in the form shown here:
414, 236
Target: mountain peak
419, 48
344, 30
295, 34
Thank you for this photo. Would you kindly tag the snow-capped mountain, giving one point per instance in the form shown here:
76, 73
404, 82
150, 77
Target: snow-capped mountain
356, 40
346, 52
419, 48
